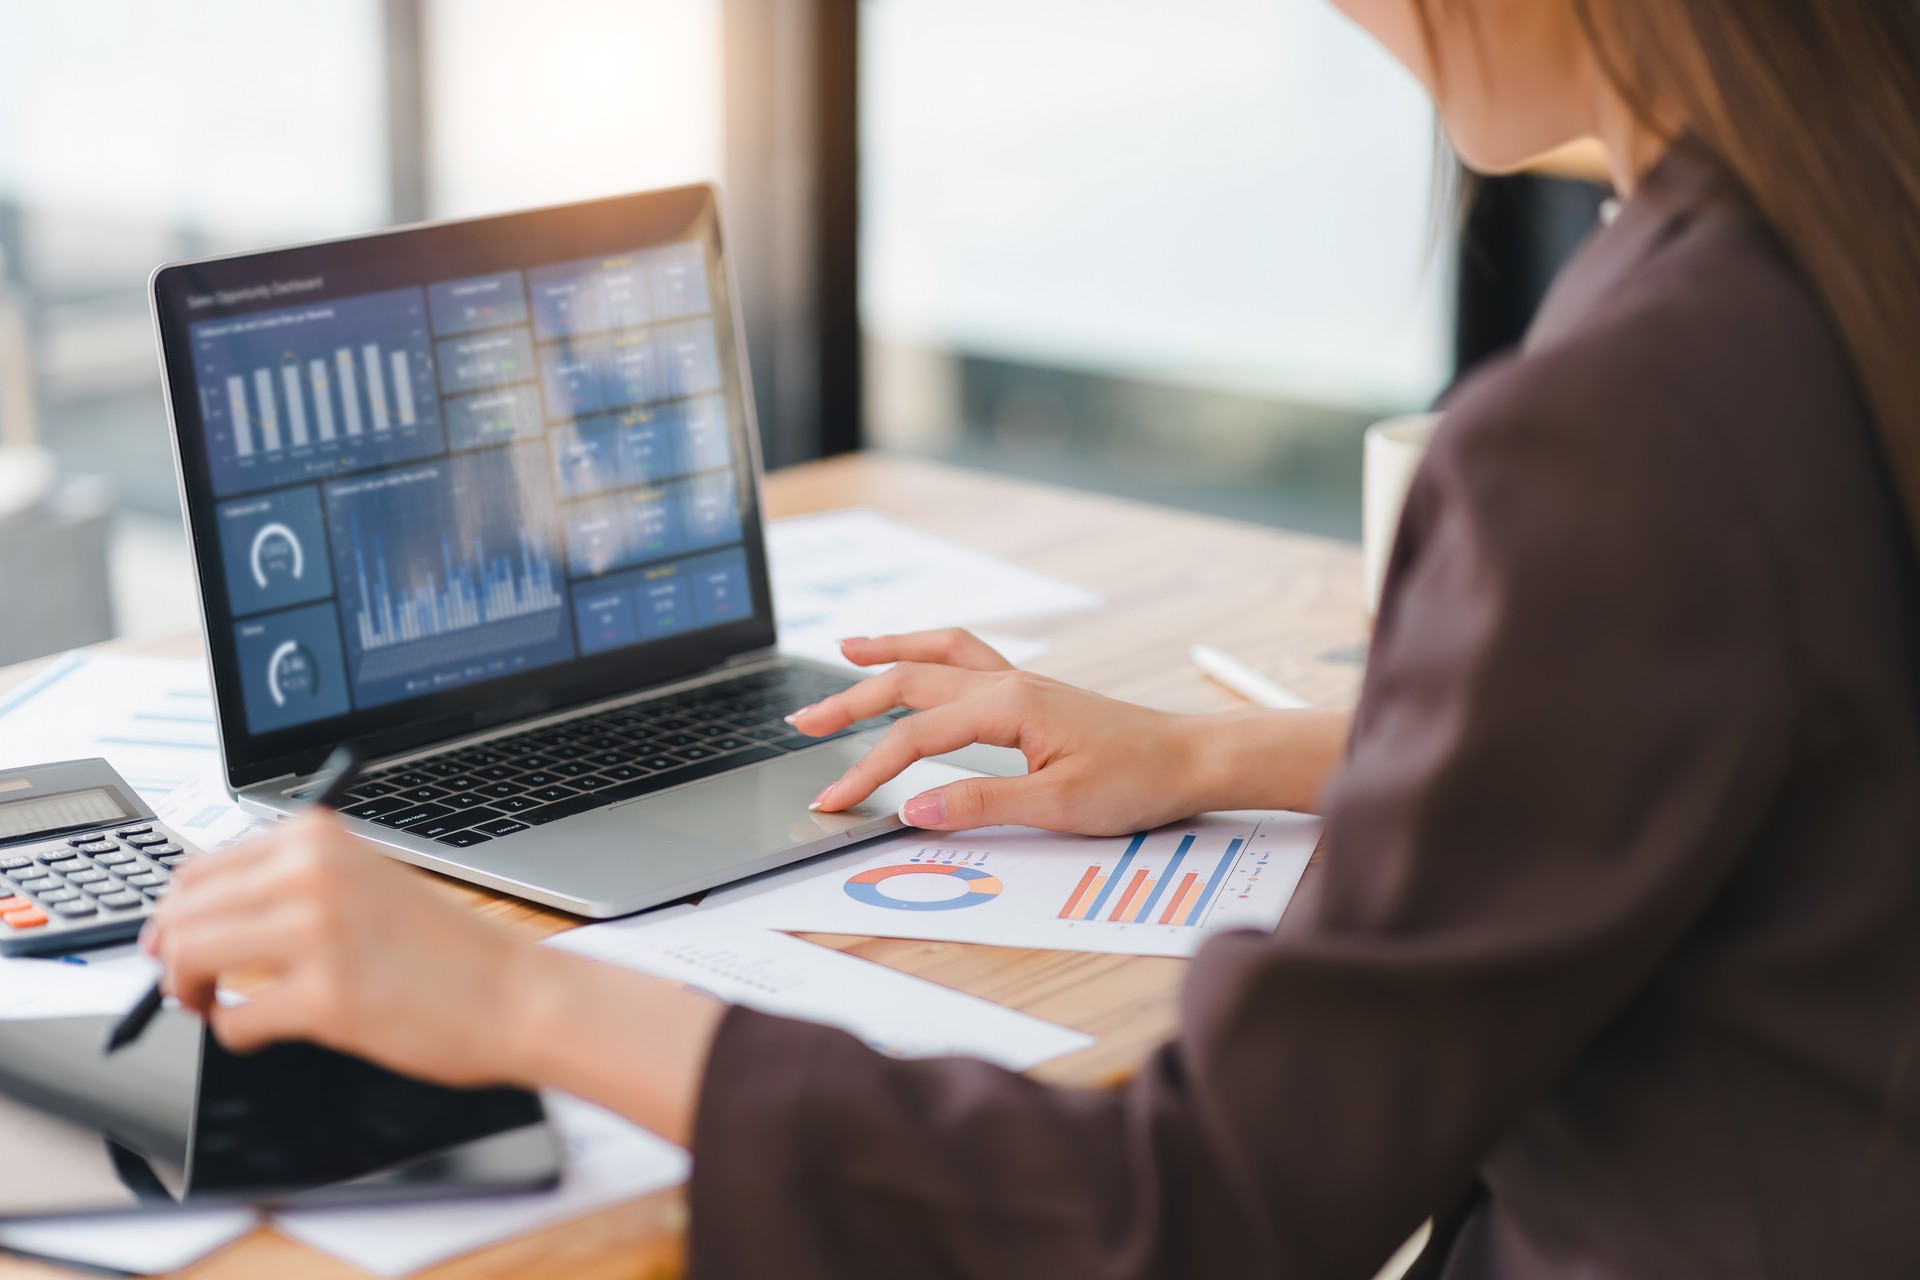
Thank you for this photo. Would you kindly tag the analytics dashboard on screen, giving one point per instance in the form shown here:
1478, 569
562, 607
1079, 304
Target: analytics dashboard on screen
426, 487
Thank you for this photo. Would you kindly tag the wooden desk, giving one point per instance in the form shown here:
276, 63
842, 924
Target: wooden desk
1287, 603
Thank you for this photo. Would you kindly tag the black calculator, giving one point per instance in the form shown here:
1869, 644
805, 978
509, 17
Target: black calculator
83, 861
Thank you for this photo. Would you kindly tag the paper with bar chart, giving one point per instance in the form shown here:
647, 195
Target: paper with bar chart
1152, 893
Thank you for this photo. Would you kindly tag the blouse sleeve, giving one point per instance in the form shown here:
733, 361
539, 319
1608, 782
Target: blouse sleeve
1578, 698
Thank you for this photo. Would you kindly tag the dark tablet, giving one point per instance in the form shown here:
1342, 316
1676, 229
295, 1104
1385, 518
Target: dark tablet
174, 1120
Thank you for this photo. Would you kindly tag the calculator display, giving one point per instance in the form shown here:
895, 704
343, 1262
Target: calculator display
59, 813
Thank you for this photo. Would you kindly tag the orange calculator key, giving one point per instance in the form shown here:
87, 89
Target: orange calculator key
15, 903
31, 918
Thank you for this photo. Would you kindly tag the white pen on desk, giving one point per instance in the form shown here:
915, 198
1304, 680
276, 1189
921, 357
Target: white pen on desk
1243, 679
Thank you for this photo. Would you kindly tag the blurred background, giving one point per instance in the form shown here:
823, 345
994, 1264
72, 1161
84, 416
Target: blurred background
1179, 252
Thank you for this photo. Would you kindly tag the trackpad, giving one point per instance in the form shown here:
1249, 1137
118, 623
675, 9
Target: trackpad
764, 809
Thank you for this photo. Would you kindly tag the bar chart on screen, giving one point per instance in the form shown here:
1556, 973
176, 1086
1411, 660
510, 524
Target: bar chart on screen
1151, 893
318, 390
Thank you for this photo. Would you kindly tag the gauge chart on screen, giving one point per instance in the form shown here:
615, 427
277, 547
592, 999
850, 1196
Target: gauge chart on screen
1149, 893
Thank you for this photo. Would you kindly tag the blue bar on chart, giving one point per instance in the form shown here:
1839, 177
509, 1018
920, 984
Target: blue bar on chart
1214, 881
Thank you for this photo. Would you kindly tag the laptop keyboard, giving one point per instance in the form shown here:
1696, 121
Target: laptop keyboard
468, 796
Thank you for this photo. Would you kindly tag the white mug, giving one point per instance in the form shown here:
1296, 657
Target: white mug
1392, 454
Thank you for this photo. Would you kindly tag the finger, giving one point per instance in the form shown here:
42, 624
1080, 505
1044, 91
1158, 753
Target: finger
288, 1011
1030, 800
193, 959
917, 685
930, 733
954, 647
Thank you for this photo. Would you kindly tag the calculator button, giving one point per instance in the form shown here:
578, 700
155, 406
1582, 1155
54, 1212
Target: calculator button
15, 864
87, 875
140, 830
66, 865
122, 900
140, 842
15, 903
162, 850
173, 859
98, 889
53, 855
147, 880
58, 895
27, 918
155, 891
98, 846
70, 910
501, 827
28, 872
39, 886
465, 839
89, 838
115, 859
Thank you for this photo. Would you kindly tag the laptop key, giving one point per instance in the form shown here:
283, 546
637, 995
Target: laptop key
550, 794
453, 822
591, 782
411, 778
371, 810
466, 799
501, 827
538, 778
420, 795
534, 761
516, 804
572, 768
414, 816
465, 839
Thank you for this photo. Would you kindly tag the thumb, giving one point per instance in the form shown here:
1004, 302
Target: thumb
982, 802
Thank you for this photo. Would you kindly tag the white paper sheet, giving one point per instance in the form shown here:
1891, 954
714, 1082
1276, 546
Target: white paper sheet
145, 1243
855, 573
1160, 893
150, 718
107, 982
895, 1013
608, 1160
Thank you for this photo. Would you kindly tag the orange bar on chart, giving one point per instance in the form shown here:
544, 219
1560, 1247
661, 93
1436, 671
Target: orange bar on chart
1091, 896
1078, 895
1182, 898
1128, 898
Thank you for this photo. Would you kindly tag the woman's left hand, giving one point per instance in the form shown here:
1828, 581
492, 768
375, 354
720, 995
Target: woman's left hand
356, 952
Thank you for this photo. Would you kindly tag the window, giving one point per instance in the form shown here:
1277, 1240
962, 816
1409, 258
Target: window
1182, 250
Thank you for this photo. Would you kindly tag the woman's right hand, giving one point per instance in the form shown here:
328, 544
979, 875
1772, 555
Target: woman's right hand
1095, 765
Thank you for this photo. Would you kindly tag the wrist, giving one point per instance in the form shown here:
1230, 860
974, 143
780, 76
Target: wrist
534, 995
1260, 758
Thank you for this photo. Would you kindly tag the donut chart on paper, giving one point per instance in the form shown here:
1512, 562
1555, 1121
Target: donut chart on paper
868, 887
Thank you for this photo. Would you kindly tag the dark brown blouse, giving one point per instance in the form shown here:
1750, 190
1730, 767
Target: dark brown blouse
1614, 960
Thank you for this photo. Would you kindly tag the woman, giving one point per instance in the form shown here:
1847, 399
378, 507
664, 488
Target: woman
1614, 964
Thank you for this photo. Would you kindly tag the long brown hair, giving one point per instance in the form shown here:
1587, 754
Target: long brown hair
1813, 108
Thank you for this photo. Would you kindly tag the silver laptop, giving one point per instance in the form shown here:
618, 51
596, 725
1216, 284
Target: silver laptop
481, 499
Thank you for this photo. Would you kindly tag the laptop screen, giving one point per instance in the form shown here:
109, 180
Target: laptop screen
452, 476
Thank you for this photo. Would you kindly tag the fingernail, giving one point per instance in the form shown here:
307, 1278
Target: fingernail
929, 810
802, 711
815, 806
845, 640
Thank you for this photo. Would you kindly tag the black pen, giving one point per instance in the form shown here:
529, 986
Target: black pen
340, 771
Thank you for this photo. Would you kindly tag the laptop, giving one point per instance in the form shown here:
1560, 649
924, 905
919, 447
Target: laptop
482, 500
